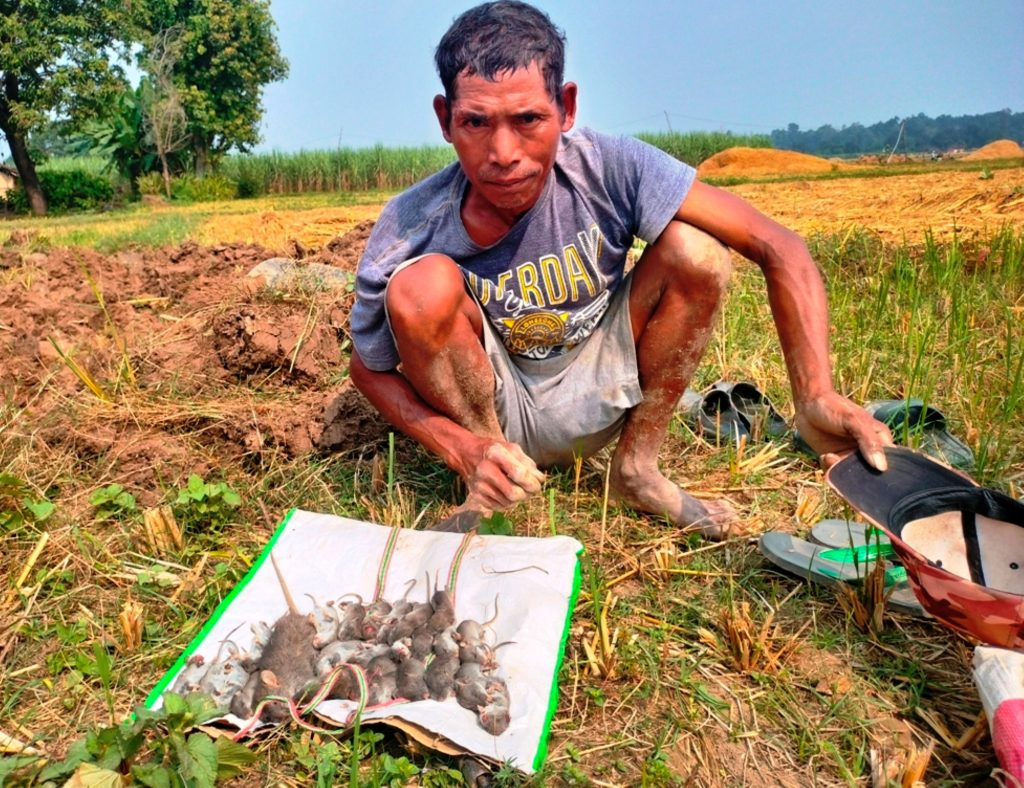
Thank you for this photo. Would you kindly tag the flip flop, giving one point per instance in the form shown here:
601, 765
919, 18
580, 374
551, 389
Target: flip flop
764, 420
911, 417
713, 414
830, 566
961, 544
847, 533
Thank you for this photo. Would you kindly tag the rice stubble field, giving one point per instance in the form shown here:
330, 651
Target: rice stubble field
137, 354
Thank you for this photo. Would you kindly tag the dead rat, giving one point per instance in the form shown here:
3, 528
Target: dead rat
440, 673
471, 687
226, 674
242, 702
350, 618
374, 616
338, 653
190, 676
370, 652
287, 666
381, 681
444, 610
409, 683
470, 630
495, 716
325, 623
260, 636
421, 642
415, 618
482, 653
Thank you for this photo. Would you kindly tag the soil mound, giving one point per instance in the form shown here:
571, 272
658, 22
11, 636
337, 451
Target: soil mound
1000, 149
762, 161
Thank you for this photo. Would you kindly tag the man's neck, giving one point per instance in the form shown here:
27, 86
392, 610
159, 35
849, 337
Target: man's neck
486, 223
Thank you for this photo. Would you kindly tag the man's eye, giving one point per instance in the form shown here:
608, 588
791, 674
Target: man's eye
476, 123
528, 119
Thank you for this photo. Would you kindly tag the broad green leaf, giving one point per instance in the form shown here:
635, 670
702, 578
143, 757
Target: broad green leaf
153, 775
201, 763
40, 509
174, 703
89, 775
231, 757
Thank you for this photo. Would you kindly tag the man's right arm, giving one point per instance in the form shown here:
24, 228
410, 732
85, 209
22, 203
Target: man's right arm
497, 473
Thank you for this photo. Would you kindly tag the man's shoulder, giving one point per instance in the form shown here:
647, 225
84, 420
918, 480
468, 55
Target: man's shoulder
587, 149
431, 192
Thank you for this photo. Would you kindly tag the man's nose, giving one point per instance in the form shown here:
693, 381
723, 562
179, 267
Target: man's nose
504, 146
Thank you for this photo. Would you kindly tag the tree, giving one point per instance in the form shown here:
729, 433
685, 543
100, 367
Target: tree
164, 116
54, 63
228, 53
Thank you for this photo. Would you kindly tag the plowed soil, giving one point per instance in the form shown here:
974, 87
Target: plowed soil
270, 364
199, 368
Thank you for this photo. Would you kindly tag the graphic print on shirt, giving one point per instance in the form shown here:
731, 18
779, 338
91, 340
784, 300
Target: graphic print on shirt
548, 306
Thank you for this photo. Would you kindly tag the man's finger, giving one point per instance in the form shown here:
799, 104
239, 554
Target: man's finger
522, 472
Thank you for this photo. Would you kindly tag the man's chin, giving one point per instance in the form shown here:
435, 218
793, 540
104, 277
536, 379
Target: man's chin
517, 202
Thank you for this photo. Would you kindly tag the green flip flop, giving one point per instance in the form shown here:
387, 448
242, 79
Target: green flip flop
831, 566
842, 534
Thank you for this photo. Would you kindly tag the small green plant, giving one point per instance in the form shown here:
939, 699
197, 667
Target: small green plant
205, 505
154, 749
497, 524
113, 502
19, 505
986, 174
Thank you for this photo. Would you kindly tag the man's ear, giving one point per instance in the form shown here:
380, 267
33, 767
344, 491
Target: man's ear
569, 91
444, 116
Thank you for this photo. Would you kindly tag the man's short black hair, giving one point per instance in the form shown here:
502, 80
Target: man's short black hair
501, 36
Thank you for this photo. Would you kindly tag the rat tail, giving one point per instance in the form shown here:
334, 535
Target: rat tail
284, 587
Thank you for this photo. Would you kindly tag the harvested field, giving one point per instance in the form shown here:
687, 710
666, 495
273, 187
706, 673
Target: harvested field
759, 162
1000, 149
687, 663
900, 208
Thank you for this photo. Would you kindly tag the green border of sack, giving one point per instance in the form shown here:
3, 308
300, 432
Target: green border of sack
542, 744
225, 603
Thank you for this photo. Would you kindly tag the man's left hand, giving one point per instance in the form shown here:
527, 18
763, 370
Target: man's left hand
834, 426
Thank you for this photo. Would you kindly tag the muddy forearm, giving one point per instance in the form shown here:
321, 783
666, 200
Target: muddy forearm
399, 403
800, 310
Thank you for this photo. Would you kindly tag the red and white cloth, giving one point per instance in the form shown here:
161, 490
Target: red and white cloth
999, 677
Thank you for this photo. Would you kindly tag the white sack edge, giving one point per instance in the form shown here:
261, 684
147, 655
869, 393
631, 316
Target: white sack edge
328, 556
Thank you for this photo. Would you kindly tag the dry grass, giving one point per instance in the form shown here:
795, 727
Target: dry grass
688, 662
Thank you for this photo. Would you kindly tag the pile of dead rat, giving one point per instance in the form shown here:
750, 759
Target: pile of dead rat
377, 654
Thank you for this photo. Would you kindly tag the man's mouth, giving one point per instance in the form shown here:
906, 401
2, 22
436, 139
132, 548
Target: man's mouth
508, 183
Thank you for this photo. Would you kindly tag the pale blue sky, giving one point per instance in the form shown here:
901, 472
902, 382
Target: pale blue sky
362, 72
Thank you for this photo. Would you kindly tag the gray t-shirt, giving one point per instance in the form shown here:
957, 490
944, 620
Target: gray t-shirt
548, 281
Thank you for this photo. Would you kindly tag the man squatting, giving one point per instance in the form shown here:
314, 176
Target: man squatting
494, 320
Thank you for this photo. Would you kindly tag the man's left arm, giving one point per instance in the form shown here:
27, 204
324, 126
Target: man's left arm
829, 422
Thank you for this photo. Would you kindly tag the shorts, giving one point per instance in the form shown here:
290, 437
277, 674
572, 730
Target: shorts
573, 404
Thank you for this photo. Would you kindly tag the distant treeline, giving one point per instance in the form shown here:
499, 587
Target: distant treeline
920, 135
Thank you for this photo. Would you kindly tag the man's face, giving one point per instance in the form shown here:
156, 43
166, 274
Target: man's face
506, 134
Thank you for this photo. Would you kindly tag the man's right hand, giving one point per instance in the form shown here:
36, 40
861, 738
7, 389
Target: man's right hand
500, 476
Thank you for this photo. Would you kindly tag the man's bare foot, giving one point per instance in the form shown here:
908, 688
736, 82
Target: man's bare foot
653, 493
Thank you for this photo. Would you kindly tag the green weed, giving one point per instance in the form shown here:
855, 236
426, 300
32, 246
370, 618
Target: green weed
205, 506
113, 502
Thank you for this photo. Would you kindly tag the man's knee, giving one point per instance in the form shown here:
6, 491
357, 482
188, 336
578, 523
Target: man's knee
427, 297
695, 258
432, 283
